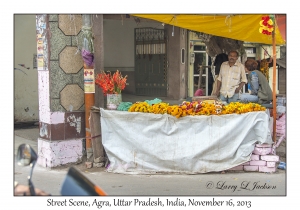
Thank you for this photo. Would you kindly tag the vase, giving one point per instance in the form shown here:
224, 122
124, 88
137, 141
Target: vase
113, 101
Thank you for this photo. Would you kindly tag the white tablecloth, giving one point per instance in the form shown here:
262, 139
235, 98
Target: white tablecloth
144, 143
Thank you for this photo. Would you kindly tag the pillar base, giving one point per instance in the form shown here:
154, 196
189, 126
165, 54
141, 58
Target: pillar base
57, 153
89, 153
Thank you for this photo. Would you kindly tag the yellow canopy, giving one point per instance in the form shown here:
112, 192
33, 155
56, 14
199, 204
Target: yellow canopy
239, 27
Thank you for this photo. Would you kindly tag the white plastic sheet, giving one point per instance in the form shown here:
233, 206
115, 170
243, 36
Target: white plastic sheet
144, 143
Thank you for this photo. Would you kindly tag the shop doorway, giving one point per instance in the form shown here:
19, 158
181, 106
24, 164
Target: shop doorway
150, 62
201, 70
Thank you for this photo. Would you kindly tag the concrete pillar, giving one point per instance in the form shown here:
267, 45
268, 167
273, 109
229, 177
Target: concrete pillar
60, 90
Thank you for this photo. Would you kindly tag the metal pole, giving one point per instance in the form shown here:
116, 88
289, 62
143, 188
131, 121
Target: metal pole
89, 98
274, 83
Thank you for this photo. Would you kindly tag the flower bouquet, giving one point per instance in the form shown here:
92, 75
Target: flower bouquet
112, 86
111, 83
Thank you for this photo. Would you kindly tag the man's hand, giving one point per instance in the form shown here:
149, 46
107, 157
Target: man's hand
217, 93
24, 190
241, 85
237, 90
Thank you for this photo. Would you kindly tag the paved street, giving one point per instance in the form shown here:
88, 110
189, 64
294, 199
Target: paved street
213, 184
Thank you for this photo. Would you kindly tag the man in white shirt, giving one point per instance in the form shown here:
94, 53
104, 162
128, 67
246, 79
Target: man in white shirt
231, 79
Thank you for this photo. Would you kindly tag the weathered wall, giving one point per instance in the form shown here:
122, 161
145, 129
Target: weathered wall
25, 75
119, 49
119, 41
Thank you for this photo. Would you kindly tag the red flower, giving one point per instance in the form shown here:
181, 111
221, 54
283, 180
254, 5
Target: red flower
111, 84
